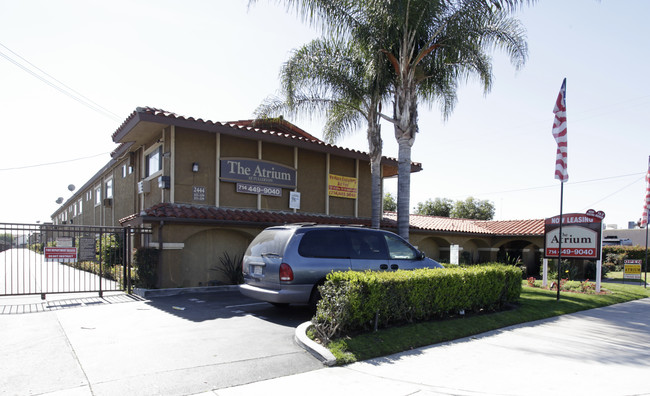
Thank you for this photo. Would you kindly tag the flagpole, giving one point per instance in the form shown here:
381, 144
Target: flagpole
645, 265
560, 135
559, 253
647, 217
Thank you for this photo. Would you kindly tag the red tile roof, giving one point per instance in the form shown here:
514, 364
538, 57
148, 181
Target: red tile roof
277, 124
213, 214
491, 227
190, 213
514, 227
284, 132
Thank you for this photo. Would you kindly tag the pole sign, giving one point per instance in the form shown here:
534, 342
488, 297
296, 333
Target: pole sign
632, 269
581, 233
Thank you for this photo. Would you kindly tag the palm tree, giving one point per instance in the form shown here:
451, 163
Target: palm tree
431, 44
344, 83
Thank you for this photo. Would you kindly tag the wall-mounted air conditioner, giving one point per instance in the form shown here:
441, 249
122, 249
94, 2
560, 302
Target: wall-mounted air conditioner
144, 187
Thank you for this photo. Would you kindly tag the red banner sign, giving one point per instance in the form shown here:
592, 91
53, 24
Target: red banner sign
59, 253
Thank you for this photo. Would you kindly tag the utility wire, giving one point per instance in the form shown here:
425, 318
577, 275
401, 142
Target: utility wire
554, 185
614, 193
61, 87
53, 163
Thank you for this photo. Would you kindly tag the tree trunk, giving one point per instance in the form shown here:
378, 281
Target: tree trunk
375, 148
406, 127
404, 188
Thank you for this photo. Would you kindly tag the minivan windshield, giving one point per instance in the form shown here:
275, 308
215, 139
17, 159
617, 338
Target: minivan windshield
269, 242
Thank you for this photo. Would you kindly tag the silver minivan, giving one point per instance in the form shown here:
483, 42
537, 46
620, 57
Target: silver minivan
286, 264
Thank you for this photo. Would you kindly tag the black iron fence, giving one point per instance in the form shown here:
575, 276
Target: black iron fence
45, 258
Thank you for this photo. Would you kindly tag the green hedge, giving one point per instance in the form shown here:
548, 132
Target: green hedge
146, 262
353, 302
628, 252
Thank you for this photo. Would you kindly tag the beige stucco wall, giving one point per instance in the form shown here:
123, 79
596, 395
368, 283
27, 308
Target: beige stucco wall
194, 146
191, 254
480, 249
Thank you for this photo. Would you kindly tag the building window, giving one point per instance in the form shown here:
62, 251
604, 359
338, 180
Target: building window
80, 203
109, 188
89, 195
126, 170
98, 195
153, 161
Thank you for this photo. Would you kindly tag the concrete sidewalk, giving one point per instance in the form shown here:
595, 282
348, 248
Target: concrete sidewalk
168, 346
604, 351
122, 345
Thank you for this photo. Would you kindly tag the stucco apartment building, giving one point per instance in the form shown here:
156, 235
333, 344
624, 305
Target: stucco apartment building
208, 188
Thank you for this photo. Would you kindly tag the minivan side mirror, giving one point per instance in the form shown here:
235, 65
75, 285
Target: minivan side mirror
421, 255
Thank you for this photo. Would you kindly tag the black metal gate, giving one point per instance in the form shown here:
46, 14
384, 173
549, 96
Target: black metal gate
46, 259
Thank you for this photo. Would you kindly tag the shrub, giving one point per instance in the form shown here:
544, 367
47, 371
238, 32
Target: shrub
146, 262
359, 301
590, 270
111, 246
617, 254
568, 269
231, 267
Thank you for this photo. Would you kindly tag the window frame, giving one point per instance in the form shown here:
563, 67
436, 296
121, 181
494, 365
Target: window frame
98, 195
108, 188
147, 161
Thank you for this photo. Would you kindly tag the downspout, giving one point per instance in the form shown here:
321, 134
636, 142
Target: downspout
327, 180
295, 165
356, 200
259, 157
172, 166
160, 252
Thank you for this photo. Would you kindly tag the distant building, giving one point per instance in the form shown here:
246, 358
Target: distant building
636, 237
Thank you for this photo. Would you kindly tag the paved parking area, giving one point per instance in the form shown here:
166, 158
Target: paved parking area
175, 345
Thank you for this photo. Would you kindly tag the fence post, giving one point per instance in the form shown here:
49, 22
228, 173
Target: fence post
126, 259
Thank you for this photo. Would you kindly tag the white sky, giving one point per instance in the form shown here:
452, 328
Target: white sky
218, 60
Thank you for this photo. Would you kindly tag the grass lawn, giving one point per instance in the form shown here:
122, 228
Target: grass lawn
534, 304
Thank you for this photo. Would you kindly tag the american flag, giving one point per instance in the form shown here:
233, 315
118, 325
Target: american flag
644, 218
560, 135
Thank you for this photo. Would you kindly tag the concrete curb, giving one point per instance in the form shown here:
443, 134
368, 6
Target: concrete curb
320, 352
147, 293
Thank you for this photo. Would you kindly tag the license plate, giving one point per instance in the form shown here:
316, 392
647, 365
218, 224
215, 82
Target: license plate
257, 270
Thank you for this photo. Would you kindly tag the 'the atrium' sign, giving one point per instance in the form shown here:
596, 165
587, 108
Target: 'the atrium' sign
580, 237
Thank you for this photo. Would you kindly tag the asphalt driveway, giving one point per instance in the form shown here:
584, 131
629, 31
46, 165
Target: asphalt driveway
175, 345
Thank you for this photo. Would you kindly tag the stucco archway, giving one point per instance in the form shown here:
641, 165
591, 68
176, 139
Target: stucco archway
435, 248
522, 252
202, 254
475, 251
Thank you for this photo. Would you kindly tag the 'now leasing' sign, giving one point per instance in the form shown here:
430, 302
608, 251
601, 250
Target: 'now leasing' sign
580, 236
